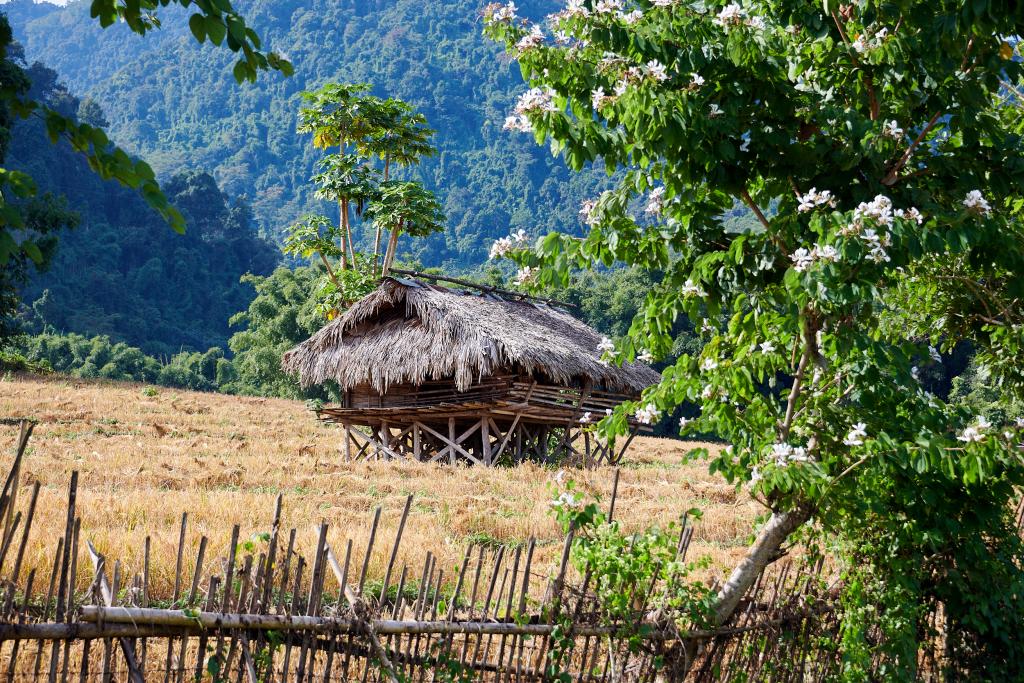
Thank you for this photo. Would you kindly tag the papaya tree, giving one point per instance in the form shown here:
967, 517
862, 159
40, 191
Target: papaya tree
367, 130
404, 207
345, 178
878, 146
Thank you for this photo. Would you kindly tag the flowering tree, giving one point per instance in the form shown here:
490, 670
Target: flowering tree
878, 144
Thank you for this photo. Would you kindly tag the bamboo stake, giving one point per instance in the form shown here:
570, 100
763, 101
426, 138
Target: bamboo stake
359, 609
127, 649
394, 548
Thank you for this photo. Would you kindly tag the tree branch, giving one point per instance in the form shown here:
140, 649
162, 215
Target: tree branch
753, 207
890, 178
869, 83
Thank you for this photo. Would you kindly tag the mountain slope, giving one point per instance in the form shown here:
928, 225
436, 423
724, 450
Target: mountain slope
176, 103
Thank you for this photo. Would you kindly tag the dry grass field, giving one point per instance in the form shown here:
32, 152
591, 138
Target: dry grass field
145, 455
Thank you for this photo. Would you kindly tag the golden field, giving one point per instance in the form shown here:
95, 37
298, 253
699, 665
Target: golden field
145, 455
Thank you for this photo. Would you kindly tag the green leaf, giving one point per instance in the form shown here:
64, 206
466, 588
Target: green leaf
197, 23
32, 249
216, 29
240, 71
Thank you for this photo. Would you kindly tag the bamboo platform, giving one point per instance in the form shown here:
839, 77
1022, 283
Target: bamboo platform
498, 420
277, 615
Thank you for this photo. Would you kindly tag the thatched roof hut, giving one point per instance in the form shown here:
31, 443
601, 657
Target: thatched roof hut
461, 372
410, 332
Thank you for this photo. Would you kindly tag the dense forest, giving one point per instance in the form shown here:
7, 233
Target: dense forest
177, 105
121, 272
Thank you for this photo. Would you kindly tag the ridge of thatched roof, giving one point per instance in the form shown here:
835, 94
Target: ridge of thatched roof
407, 331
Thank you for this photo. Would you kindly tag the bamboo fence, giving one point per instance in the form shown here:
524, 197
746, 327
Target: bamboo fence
280, 616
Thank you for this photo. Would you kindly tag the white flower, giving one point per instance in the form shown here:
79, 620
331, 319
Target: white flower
561, 38
655, 201
504, 245
683, 422
970, 434
814, 199
891, 129
690, 289
632, 17
657, 71
645, 357
785, 454
621, 87
536, 100
648, 414
910, 214
915, 374
755, 475
731, 15
756, 23
533, 39
566, 500
1019, 422
598, 98
607, 6
502, 12
606, 345
559, 476
825, 253
714, 110
976, 203
707, 392
975, 432
857, 435
934, 354
576, 8
525, 274
767, 347
745, 145
870, 40
588, 212
878, 210
585, 418
802, 260
696, 80
607, 412
517, 122
708, 364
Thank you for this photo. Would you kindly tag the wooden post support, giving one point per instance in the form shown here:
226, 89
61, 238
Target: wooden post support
485, 440
416, 440
451, 439
348, 442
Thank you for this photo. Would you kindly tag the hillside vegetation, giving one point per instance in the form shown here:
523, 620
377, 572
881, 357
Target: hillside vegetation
147, 455
177, 105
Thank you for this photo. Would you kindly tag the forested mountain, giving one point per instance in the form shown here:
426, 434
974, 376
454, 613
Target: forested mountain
122, 271
177, 105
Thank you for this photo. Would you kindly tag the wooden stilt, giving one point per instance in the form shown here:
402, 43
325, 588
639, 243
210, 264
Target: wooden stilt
485, 440
451, 439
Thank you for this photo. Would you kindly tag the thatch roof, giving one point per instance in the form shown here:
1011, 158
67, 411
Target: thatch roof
407, 331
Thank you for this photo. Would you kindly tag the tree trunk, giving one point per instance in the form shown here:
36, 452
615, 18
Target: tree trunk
389, 255
343, 222
330, 271
348, 237
760, 554
376, 246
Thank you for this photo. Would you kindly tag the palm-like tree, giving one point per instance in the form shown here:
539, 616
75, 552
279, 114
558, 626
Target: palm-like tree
314, 234
345, 178
404, 206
